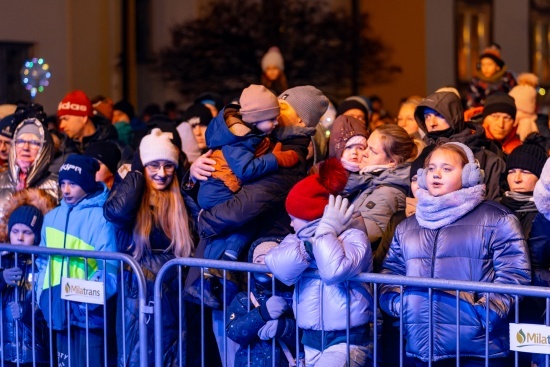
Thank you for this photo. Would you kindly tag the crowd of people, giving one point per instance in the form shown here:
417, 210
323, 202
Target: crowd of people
287, 178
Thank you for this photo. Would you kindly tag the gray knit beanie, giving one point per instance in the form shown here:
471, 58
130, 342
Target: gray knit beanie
308, 102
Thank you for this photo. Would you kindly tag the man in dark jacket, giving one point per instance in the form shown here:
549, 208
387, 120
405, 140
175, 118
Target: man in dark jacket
441, 117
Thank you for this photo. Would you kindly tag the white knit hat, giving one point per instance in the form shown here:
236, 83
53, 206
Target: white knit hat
158, 146
525, 93
273, 57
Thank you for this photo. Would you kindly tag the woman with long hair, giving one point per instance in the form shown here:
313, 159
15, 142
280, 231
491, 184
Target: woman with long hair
153, 226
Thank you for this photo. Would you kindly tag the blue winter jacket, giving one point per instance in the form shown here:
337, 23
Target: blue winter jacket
76, 227
485, 245
238, 151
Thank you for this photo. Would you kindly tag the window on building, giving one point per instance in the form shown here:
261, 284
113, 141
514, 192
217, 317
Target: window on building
473, 34
540, 40
12, 57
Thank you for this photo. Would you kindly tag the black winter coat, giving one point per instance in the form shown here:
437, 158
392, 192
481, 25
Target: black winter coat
24, 324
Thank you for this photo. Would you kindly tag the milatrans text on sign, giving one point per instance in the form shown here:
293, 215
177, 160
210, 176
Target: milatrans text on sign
531, 338
80, 290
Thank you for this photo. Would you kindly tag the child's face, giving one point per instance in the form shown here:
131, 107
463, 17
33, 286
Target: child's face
444, 172
297, 223
71, 192
489, 67
272, 73
21, 234
521, 180
354, 152
267, 126
434, 121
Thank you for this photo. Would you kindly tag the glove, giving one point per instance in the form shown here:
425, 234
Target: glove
137, 165
269, 330
288, 158
336, 218
13, 311
276, 306
12, 275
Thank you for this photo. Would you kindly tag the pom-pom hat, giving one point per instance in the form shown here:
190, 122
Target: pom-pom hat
158, 146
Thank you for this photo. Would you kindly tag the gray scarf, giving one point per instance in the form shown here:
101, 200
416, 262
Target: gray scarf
434, 212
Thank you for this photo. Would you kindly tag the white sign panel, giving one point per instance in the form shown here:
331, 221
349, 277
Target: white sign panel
80, 290
531, 338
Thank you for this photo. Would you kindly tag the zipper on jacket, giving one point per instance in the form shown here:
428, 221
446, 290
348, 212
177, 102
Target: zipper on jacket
65, 244
433, 253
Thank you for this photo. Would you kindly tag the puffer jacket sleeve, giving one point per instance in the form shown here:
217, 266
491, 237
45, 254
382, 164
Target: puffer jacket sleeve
123, 203
539, 246
343, 257
510, 261
394, 264
245, 164
289, 260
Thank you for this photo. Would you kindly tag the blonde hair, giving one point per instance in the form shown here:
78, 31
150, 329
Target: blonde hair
164, 209
396, 143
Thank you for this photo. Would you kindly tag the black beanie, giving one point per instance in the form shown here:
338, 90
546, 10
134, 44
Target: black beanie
349, 104
500, 103
7, 126
125, 107
30, 216
198, 114
530, 157
105, 152
81, 170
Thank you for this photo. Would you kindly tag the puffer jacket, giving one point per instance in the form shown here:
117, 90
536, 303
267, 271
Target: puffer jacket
471, 135
377, 196
38, 175
485, 245
322, 302
25, 323
76, 227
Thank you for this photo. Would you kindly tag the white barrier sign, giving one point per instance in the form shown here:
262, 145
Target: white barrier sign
80, 290
531, 338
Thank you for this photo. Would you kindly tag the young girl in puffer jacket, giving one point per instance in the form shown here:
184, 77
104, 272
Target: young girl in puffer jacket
455, 235
324, 240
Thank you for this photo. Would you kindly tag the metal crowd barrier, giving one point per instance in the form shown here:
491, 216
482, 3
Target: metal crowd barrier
377, 279
35, 251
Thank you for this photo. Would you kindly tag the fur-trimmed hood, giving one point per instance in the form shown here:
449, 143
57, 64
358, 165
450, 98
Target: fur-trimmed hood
35, 197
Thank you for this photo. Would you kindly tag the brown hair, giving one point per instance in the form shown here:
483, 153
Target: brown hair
450, 148
166, 210
397, 143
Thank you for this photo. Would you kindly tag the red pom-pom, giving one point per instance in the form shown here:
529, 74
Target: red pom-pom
333, 175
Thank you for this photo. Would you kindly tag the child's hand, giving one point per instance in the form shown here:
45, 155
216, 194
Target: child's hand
288, 158
12, 275
276, 306
269, 330
203, 167
336, 218
13, 311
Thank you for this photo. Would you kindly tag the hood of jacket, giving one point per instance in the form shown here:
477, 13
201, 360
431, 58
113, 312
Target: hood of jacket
472, 135
44, 157
447, 104
218, 134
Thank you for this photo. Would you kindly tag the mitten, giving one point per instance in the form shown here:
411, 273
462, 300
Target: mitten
269, 330
276, 306
336, 218
288, 158
13, 311
12, 275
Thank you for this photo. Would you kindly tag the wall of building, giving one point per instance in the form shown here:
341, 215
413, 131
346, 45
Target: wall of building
511, 31
79, 39
400, 25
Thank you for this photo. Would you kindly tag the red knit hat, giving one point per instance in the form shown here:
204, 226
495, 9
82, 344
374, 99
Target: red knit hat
308, 198
76, 103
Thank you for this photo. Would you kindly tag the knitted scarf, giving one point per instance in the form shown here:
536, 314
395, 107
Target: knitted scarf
519, 202
434, 212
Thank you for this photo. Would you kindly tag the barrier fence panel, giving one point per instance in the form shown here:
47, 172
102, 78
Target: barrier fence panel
90, 298
431, 289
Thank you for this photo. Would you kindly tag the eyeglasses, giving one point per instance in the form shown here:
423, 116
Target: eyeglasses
34, 144
155, 167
